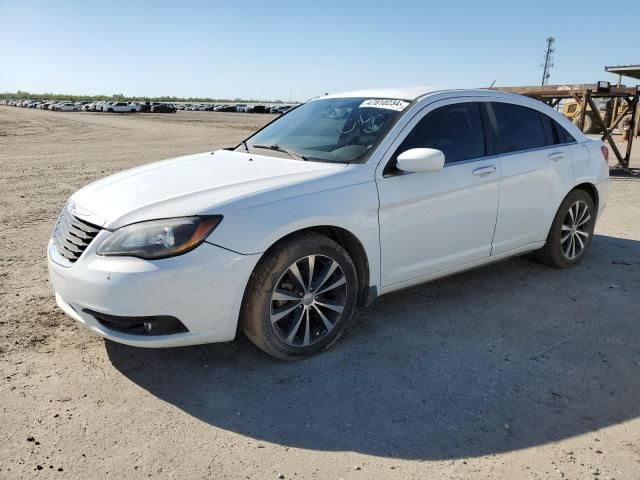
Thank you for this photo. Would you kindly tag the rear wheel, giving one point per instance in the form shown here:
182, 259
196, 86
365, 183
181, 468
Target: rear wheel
300, 297
571, 232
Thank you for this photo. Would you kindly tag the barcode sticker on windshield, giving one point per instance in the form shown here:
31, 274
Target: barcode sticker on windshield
389, 104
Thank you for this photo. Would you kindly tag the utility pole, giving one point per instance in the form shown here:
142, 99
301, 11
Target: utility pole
548, 60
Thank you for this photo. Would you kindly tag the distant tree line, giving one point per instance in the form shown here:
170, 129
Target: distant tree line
125, 98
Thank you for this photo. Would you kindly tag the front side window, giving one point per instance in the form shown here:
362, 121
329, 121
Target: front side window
456, 130
340, 130
517, 128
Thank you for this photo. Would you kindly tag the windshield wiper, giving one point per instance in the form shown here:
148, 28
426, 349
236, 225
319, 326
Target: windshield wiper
276, 148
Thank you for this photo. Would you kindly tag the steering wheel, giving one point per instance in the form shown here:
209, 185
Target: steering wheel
349, 126
372, 121
369, 122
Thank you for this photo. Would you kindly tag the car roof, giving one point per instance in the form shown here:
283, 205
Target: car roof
408, 93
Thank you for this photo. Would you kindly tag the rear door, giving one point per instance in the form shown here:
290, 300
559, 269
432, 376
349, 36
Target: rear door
536, 175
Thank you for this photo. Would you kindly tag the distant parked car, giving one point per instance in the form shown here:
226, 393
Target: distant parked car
66, 107
163, 108
121, 107
99, 107
256, 109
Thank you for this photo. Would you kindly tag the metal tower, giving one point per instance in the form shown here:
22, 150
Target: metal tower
548, 60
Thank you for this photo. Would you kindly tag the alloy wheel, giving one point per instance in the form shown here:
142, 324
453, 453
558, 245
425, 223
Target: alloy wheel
308, 300
576, 230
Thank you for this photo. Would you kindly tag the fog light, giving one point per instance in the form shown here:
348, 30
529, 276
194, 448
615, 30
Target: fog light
152, 325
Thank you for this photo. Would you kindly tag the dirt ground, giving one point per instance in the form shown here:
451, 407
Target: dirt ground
511, 371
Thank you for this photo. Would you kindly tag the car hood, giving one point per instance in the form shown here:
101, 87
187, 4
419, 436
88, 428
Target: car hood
187, 185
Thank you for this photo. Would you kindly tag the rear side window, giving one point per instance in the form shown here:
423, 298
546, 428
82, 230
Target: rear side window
560, 134
517, 128
457, 130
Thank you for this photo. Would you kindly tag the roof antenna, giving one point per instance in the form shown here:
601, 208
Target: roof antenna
491, 86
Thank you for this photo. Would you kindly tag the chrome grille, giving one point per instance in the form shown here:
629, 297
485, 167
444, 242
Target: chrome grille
72, 236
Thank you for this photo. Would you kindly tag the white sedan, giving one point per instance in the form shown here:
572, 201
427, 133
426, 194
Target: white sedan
342, 199
121, 107
65, 107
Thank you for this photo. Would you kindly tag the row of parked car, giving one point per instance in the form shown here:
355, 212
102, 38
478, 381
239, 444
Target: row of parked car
240, 107
99, 106
133, 107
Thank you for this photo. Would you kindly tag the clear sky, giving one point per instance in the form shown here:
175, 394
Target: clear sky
273, 49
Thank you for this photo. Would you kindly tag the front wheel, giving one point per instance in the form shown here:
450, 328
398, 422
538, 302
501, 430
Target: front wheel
571, 232
300, 297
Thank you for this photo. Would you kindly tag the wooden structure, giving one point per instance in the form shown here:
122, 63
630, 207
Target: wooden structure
625, 97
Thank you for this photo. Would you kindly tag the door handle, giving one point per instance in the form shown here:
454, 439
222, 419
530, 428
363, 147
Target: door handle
484, 171
555, 156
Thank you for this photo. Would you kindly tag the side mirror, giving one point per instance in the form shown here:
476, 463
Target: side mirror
421, 160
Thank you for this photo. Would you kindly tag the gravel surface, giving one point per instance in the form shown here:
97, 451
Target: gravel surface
514, 370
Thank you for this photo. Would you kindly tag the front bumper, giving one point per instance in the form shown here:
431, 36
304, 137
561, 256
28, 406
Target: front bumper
202, 288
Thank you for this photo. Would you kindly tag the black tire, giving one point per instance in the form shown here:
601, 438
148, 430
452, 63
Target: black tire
274, 271
110, 110
75, 109
553, 252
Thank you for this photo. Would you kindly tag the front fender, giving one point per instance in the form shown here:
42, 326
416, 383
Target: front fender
254, 229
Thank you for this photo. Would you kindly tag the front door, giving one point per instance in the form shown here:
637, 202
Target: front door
435, 221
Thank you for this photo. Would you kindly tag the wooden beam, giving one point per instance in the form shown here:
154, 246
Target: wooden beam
566, 91
632, 132
594, 108
586, 100
615, 121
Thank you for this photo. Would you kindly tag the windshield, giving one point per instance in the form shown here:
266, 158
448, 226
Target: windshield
341, 130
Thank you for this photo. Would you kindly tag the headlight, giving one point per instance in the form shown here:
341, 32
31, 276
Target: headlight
159, 238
